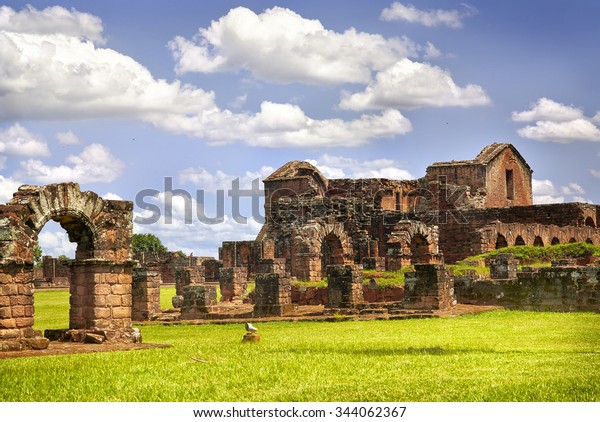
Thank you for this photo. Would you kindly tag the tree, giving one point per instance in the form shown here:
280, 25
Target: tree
146, 243
37, 255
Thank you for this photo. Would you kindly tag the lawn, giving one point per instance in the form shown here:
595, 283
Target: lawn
496, 356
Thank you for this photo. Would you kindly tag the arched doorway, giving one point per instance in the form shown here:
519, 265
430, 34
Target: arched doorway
555, 241
100, 274
419, 249
332, 252
501, 242
538, 241
519, 241
590, 222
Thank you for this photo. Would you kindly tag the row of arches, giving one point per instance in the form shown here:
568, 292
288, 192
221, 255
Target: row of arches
501, 241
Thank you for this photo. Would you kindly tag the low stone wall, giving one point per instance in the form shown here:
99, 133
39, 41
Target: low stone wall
306, 296
563, 289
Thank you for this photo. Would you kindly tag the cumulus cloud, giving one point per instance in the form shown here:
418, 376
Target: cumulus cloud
409, 84
182, 230
219, 180
52, 20
94, 164
18, 141
67, 138
56, 243
438, 17
545, 192
286, 125
8, 186
280, 45
337, 167
556, 122
51, 75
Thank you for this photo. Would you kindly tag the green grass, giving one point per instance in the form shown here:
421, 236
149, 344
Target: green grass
496, 356
386, 278
166, 296
544, 254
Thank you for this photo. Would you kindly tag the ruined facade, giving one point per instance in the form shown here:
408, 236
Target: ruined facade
459, 209
100, 275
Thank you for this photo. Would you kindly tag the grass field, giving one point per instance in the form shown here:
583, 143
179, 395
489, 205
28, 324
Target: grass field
496, 356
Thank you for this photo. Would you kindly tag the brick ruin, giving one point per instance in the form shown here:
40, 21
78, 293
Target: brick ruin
315, 228
100, 275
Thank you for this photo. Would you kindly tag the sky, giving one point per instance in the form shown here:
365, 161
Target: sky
171, 104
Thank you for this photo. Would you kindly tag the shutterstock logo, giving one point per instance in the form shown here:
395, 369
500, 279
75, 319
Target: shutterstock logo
154, 212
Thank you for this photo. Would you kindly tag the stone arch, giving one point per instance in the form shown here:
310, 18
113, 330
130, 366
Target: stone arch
555, 241
501, 241
100, 274
590, 222
413, 242
519, 241
309, 244
572, 240
590, 241
538, 241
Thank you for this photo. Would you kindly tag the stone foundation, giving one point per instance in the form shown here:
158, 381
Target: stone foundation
198, 300
429, 287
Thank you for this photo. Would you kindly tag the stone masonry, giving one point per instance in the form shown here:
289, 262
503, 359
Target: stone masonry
430, 286
101, 274
344, 286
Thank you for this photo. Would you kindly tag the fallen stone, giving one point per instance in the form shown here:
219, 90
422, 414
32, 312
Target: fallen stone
93, 338
39, 343
251, 338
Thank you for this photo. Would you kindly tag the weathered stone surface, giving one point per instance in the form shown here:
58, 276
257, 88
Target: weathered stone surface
251, 338
93, 338
345, 286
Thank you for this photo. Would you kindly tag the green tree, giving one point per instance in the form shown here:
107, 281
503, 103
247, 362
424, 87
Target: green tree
37, 255
146, 243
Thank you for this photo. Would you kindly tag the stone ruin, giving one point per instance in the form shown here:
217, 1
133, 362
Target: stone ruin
315, 228
100, 275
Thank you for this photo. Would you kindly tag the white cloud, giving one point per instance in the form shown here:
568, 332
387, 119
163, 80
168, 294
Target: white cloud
52, 20
336, 167
556, 122
409, 84
56, 243
8, 186
94, 164
110, 195
67, 138
18, 141
58, 76
439, 17
280, 45
239, 101
191, 234
544, 192
286, 125
219, 180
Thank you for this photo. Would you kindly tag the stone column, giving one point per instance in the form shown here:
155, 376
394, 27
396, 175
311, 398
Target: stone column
16, 308
233, 283
429, 287
344, 286
145, 294
272, 295
101, 292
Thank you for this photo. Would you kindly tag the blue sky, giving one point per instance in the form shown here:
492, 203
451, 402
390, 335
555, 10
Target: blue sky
118, 96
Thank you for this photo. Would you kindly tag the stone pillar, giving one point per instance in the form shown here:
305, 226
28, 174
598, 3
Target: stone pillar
145, 294
197, 300
187, 276
306, 267
344, 286
272, 295
503, 266
429, 287
16, 308
374, 263
101, 292
233, 283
